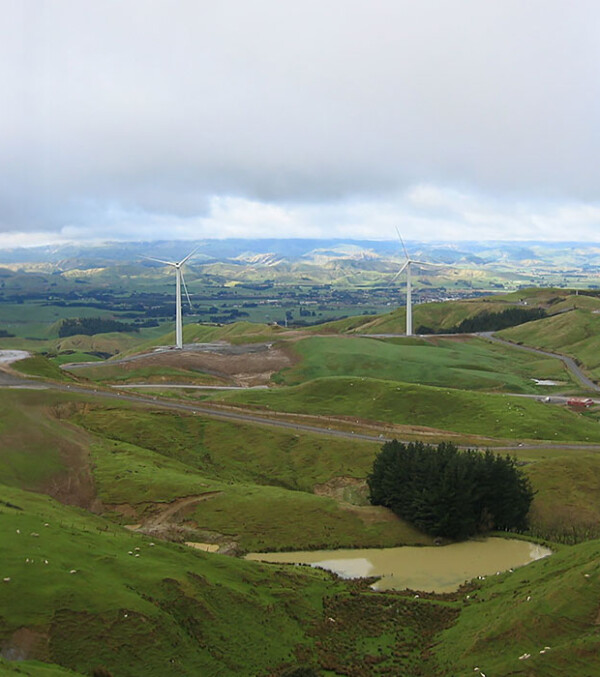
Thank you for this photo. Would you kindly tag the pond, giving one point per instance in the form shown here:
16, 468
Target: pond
432, 569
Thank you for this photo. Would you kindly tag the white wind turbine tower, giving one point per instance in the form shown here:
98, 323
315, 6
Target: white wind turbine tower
407, 266
180, 281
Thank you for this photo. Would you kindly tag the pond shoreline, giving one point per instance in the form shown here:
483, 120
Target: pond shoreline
436, 569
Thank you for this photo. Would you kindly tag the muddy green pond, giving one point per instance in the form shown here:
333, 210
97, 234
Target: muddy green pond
433, 569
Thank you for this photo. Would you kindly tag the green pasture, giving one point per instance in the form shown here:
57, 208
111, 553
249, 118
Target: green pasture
567, 484
572, 333
131, 614
234, 452
546, 610
42, 367
438, 316
471, 364
75, 356
488, 414
261, 518
34, 669
263, 477
33, 444
132, 372
443, 315
126, 473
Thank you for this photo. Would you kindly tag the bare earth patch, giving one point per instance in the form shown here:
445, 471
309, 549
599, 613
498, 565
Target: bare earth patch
233, 365
26, 644
167, 521
347, 489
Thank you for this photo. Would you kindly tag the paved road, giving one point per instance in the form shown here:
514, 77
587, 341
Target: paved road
569, 362
13, 381
8, 380
191, 386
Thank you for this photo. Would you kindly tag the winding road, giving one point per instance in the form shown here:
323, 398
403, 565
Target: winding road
9, 379
569, 362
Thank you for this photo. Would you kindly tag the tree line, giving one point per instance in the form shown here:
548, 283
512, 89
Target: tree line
486, 321
451, 493
92, 325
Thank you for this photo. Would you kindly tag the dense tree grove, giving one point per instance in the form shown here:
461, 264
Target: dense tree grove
450, 493
91, 326
486, 321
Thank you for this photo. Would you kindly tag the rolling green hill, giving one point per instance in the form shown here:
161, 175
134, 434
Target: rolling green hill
492, 415
572, 333
540, 620
115, 599
456, 363
82, 595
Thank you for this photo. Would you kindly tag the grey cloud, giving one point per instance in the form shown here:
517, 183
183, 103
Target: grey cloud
158, 106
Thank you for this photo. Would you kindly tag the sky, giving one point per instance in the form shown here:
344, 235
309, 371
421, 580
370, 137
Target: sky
155, 119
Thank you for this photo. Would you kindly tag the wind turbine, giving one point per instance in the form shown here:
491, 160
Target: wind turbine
179, 280
407, 266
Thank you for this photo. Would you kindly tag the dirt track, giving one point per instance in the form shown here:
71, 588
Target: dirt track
166, 515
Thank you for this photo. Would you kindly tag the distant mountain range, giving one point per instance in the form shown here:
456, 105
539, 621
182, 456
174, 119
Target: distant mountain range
567, 256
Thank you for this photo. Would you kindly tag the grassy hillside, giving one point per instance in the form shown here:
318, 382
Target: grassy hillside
171, 610
38, 365
259, 481
457, 363
567, 484
167, 611
573, 333
87, 596
500, 416
545, 613
36, 450
133, 608
440, 316
231, 452
133, 372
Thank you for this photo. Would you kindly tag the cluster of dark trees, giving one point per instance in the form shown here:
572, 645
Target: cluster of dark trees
91, 326
5, 334
451, 493
486, 321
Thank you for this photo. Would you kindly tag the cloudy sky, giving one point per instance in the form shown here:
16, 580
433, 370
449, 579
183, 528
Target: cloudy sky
451, 119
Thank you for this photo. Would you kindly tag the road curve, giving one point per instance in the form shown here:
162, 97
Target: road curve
569, 362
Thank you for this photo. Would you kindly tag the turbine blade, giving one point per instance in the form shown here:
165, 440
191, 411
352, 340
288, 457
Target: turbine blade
434, 265
185, 289
397, 275
189, 256
402, 242
150, 258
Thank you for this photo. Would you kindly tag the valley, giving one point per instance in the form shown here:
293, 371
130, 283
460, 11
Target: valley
118, 454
